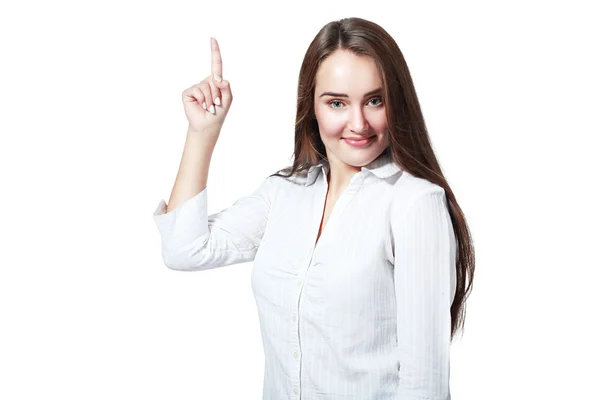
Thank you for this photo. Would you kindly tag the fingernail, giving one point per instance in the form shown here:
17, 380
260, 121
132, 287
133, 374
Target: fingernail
212, 109
217, 101
217, 78
204, 105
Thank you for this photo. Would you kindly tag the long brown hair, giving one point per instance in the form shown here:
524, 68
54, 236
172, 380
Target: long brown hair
409, 142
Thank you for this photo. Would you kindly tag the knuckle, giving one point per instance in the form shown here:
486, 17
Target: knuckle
198, 93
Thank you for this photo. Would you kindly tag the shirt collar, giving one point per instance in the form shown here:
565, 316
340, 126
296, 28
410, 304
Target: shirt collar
382, 167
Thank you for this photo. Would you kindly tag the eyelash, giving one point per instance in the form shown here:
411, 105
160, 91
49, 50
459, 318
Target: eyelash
339, 101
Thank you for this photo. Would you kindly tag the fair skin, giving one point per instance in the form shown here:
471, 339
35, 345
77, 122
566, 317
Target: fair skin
206, 105
345, 108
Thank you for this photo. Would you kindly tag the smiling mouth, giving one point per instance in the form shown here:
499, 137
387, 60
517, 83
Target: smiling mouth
359, 138
359, 141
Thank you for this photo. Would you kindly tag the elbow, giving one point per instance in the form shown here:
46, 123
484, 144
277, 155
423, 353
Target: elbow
190, 262
178, 266
185, 259
176, 263
194, 256
187, 264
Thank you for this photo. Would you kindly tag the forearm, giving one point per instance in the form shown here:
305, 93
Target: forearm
192, 176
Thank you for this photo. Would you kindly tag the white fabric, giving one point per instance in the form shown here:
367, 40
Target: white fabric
364, 316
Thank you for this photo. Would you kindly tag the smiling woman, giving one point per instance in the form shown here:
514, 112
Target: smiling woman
362, 256
357, 107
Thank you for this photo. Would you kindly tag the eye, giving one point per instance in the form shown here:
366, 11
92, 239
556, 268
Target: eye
332, 102
376, 98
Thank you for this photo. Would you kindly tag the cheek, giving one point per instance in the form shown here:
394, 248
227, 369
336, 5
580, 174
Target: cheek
379, 122
331, 125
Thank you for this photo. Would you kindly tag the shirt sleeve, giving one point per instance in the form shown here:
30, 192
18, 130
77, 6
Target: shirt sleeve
425, 283
192, 240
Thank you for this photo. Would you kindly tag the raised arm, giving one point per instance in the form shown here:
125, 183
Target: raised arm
191, 239
205, 123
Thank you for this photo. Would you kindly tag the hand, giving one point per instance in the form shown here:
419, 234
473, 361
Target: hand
207, 103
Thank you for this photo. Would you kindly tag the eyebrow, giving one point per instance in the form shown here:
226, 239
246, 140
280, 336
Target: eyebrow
378, 90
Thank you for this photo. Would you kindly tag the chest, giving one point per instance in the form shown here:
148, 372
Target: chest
321, 223
319, 245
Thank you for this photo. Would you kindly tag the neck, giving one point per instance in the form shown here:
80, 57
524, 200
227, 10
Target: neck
339, 177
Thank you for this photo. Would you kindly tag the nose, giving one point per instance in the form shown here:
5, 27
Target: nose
358, 123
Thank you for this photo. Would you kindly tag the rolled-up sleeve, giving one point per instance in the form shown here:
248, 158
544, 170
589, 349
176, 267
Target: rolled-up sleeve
193, 240
425, 284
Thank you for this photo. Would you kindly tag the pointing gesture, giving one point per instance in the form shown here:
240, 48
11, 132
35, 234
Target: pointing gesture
206, 103
215, 57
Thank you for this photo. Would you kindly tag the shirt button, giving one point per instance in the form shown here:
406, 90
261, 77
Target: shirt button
295, 390
294, 318
300, 282
295, 354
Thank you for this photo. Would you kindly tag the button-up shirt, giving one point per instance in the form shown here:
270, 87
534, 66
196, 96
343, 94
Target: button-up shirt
364, 314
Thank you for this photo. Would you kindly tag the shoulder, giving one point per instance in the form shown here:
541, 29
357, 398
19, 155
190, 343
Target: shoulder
409, 190
411, 187
280, 178
273, 185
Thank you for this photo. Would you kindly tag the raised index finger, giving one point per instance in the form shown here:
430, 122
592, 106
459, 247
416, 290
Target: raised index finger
217, 64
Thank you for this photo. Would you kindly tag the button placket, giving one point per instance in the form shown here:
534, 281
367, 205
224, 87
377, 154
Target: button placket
296, 339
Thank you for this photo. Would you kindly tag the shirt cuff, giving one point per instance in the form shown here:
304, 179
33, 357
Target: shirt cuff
184, 224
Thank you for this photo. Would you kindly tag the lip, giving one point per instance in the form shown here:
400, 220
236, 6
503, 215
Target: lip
359, 142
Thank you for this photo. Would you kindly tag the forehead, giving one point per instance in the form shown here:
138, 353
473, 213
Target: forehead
344, 70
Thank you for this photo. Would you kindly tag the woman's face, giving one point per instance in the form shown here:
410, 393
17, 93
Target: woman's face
346, 106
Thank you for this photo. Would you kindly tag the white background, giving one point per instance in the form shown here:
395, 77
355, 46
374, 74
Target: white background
92, 130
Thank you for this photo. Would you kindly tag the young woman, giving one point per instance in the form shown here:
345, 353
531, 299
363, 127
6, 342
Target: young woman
362, 257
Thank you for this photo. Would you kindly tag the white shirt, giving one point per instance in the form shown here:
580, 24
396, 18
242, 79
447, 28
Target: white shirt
363, 315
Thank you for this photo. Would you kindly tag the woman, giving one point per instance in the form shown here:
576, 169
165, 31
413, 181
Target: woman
362, 257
